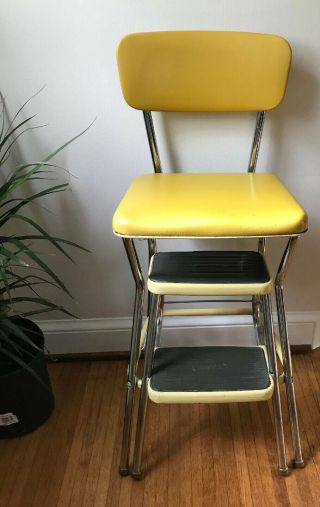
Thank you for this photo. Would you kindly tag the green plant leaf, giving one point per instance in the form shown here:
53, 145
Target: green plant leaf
12, 211
44, 233
59, 240
23, 365
23, 279
3, 116
45, 310
20, 108
5, 280
32, 255
7, 152
39, 301
9, 255
38, 166
13, 344
18, 331
11, 132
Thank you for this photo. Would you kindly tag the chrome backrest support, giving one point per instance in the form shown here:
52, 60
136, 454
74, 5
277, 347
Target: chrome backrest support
155, 152
152, 141
256, 142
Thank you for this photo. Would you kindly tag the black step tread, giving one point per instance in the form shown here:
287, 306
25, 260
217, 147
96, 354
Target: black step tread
209, 267
208, 369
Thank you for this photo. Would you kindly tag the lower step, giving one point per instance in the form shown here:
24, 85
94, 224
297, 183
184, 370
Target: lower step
210, 375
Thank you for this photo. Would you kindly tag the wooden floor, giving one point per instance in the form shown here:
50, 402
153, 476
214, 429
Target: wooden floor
194, 455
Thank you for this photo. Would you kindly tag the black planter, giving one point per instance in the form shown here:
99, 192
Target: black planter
25, 402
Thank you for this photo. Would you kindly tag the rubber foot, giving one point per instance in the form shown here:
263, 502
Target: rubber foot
123, 471
284, 472
136, 475
298, 464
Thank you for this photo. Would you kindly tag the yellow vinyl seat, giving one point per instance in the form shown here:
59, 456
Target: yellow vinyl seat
208, 205
209, 72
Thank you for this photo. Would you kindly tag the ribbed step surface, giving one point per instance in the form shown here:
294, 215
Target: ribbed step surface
209, 267
219, 373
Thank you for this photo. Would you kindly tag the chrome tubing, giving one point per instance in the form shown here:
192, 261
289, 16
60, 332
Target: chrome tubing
256, 141
134, 355
152, 141
258, 321
149, 350
159, 322
188, 301
276, 399
258, 317
298, 461
262, 246
152, 249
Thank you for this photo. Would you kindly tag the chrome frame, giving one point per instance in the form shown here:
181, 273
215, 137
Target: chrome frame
143, 401
257, 317
152, 249
276, 400
159, 322
262, 317
152, 141
256, 141
298, 461
257, 303
134, 355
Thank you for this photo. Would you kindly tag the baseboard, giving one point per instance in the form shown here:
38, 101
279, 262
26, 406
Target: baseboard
96, 336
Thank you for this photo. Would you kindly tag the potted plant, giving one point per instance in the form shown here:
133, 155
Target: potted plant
26, 397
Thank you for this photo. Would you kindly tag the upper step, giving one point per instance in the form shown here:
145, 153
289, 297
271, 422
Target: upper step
213, 273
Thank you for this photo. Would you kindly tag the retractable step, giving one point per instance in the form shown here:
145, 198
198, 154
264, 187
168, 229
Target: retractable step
210, 375
209, 273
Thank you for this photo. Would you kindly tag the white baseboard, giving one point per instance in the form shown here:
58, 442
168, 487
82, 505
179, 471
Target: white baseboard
113, 334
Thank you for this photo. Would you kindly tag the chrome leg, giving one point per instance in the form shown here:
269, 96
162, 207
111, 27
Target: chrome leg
149, 349
257, 303
258, 319
277, 410
159, 322
298, 461
152, 249
134, 356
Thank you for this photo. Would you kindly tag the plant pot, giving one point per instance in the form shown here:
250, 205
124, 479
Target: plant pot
25, 401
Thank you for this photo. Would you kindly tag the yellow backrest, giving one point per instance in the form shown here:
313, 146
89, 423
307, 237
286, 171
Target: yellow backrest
203, 71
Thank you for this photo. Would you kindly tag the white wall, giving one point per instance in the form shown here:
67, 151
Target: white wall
70, 47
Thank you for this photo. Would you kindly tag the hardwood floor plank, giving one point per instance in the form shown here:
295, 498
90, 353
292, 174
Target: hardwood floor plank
208, 475
217, 435
109, 478
156, 455
195, 466
258, 494
244, 489
105, 376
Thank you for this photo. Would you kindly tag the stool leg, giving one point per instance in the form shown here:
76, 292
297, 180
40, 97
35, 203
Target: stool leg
298, 461
277, 410
149, 350
159, 323
285, 346
257, 319
134, 357
152, 250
